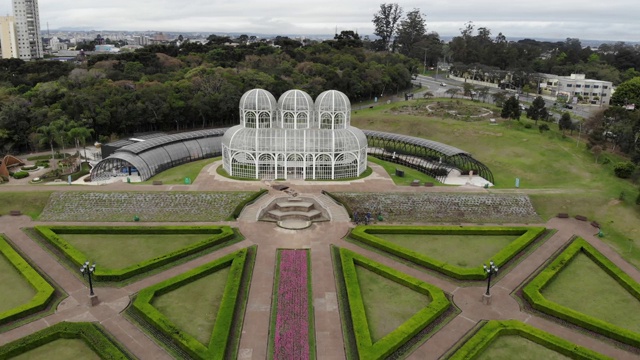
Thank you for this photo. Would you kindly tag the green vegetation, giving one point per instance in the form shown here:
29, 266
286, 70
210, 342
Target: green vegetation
29, 203
409, 173
460, 250
559, 174
357, 326
176, 175
19, 305
460, 270
212, 236
203, 297
384, 316
14, 288
61, 349
57, 340
586, 288
223, 340
533, 293
512, 339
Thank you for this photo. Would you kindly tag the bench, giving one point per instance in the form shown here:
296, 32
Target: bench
581, 217
428, 184
563, 215
415, 183
15, 212
157, 182
595, 224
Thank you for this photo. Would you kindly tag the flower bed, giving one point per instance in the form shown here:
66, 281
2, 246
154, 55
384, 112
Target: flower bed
292, 322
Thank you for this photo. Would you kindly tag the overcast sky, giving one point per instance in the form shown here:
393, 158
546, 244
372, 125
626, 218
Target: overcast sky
584, 19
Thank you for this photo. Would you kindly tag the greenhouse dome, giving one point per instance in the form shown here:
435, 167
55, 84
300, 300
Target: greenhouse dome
304, 140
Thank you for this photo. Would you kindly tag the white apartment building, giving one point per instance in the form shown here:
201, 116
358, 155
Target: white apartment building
8, 39
27, 25
595, 92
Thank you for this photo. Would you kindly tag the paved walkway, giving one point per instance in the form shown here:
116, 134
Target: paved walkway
318, 238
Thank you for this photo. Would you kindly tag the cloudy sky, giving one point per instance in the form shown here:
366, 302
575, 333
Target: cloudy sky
584, 19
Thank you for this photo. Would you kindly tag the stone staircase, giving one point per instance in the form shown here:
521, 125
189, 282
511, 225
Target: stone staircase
334, 211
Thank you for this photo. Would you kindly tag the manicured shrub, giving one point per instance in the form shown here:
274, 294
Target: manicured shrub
28, 168
20, 175
624, 169
219, 235
247, 201
543, 127
532, 292
44, 291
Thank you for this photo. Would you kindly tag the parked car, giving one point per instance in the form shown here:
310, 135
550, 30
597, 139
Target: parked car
443, 84
568, 106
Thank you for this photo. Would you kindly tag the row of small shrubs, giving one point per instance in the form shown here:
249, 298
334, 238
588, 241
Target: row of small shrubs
20, 174
223, 328
533, 292
405, 332
91, 334
493, 329
29, 167
44, 291
236, 212
366, 235
219, 235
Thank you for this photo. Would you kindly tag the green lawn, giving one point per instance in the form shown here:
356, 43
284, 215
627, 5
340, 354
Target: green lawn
194, 306
120, 251
29, 203
508, 347
583, 286
541, 162
61, 349
409, 173
467, 251
383, 315
15, 290
176, 175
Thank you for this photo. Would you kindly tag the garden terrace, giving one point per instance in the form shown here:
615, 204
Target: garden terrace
441, 207
149, 206
431, 157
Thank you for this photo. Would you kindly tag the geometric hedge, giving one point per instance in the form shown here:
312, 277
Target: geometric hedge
224, 336
532, 292
405, 332
44, 291
367, 235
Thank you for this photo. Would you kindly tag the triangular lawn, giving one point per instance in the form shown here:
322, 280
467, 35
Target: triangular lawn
352, 263
225, 273
193, 307
583, 286
456, 251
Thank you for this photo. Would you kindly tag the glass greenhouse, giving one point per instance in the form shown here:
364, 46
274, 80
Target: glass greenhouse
294, 138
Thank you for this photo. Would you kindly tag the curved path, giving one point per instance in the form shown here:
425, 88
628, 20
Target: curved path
318, 238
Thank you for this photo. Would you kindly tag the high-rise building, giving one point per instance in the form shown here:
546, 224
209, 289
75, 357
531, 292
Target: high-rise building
27, 25
8, 40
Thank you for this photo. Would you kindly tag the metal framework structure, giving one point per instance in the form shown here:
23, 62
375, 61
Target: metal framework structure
294, 138
431, 157
151, 156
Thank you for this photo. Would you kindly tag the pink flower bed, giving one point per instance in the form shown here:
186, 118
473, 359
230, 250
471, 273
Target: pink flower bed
291, 338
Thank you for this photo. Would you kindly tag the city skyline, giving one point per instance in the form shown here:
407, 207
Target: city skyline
613, 21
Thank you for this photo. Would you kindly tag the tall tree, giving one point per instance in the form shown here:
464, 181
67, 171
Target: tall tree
511, 109
385, 22
411, 31
565, 122
535, 111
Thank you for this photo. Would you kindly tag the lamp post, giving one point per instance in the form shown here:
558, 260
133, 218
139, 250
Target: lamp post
88, 270
424, 67
490, 270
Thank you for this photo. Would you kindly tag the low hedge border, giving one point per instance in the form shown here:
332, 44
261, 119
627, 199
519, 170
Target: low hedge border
486, 335
93, 335
392, 341
220, 235
249, 200
366, 235
533, 292
338, 201
222, 331
44, 291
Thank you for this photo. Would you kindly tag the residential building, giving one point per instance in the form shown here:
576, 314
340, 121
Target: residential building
8, 40
27, 25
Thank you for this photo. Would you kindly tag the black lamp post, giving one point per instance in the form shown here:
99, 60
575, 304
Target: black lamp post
88, 270
490, 270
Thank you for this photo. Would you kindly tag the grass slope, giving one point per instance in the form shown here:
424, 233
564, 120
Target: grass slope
176, 175
29, 203
14, 288
61, 349
508, 347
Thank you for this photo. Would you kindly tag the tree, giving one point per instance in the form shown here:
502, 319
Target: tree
453, 92
627, 93
499, 98
483, 92
411, 32
346, 38
537, 110
469, 90
428, 95
385, 23
511, 109
80, 135
565, 122
596, 151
